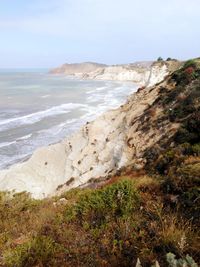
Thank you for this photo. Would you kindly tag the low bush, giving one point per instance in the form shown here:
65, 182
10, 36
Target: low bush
187, 73
113, 201
196, 149
38, 251
168, 159
190, 63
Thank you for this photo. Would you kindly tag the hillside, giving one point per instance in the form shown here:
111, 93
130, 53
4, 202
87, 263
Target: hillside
98, 149
144, 213
77, 68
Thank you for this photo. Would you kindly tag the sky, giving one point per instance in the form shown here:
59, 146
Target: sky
48, 33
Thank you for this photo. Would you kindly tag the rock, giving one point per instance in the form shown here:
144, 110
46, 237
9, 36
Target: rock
62, 201
96, 150
143, 73
157, 264
138, 263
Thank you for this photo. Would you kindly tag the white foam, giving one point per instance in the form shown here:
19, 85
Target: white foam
45, 96
60, 131
38, 116
5, 144
101, 88
55, 129
98, 99
24, 137
95, 98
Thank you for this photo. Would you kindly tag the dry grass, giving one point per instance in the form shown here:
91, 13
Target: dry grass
192, 159
105, 227
146, 182
175, 232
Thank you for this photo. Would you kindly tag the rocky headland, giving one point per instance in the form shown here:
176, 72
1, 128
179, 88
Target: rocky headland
142, 73
116, 139
77, 69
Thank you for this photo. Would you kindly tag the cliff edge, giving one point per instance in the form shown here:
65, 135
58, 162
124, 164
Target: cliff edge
142, 73
100, 148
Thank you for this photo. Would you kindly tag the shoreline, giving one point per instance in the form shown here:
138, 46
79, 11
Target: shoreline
97, 149
106, 95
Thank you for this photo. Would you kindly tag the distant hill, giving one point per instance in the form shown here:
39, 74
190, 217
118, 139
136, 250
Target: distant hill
75, 68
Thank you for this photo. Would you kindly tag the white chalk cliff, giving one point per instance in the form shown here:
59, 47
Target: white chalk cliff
98, 149
142, 73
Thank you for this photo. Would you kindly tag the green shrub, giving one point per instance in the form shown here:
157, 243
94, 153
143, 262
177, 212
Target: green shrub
18, 202
184, 182
167, 159
196, 149
160, 59
38, 251
172, 95
189, 131
193, 123
190, 63
184, 136
113, 201
184, 177
187, 73
188, 149
188, 106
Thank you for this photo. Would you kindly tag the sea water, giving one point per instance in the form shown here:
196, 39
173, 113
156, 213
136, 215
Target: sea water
38, 108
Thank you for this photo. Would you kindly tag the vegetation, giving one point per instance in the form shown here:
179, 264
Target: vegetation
168, 59
190, 71
160, 59
113, 202
124, 220
151, 215
39, 250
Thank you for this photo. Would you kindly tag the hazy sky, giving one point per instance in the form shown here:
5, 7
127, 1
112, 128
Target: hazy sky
47, 33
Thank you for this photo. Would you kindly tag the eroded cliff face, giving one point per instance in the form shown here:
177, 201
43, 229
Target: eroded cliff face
143, 73
116, 139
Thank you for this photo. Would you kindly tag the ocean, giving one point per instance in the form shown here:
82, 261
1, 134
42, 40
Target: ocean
38, 109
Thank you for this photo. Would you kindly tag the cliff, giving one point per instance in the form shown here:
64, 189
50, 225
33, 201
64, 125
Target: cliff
116, 139
143, 73
146, 214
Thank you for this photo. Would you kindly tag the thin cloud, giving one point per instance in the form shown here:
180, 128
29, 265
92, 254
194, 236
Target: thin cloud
108, 30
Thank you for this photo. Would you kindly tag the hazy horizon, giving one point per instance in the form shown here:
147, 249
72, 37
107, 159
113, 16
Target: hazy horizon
48, 33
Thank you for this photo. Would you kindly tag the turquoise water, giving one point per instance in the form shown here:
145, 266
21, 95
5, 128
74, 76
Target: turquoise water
38, 109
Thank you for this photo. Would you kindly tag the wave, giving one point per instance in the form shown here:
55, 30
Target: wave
55, 129
5, 144
92, 91
38, 116
102, 88
62, 128
45, 96
24, 137
97, 99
